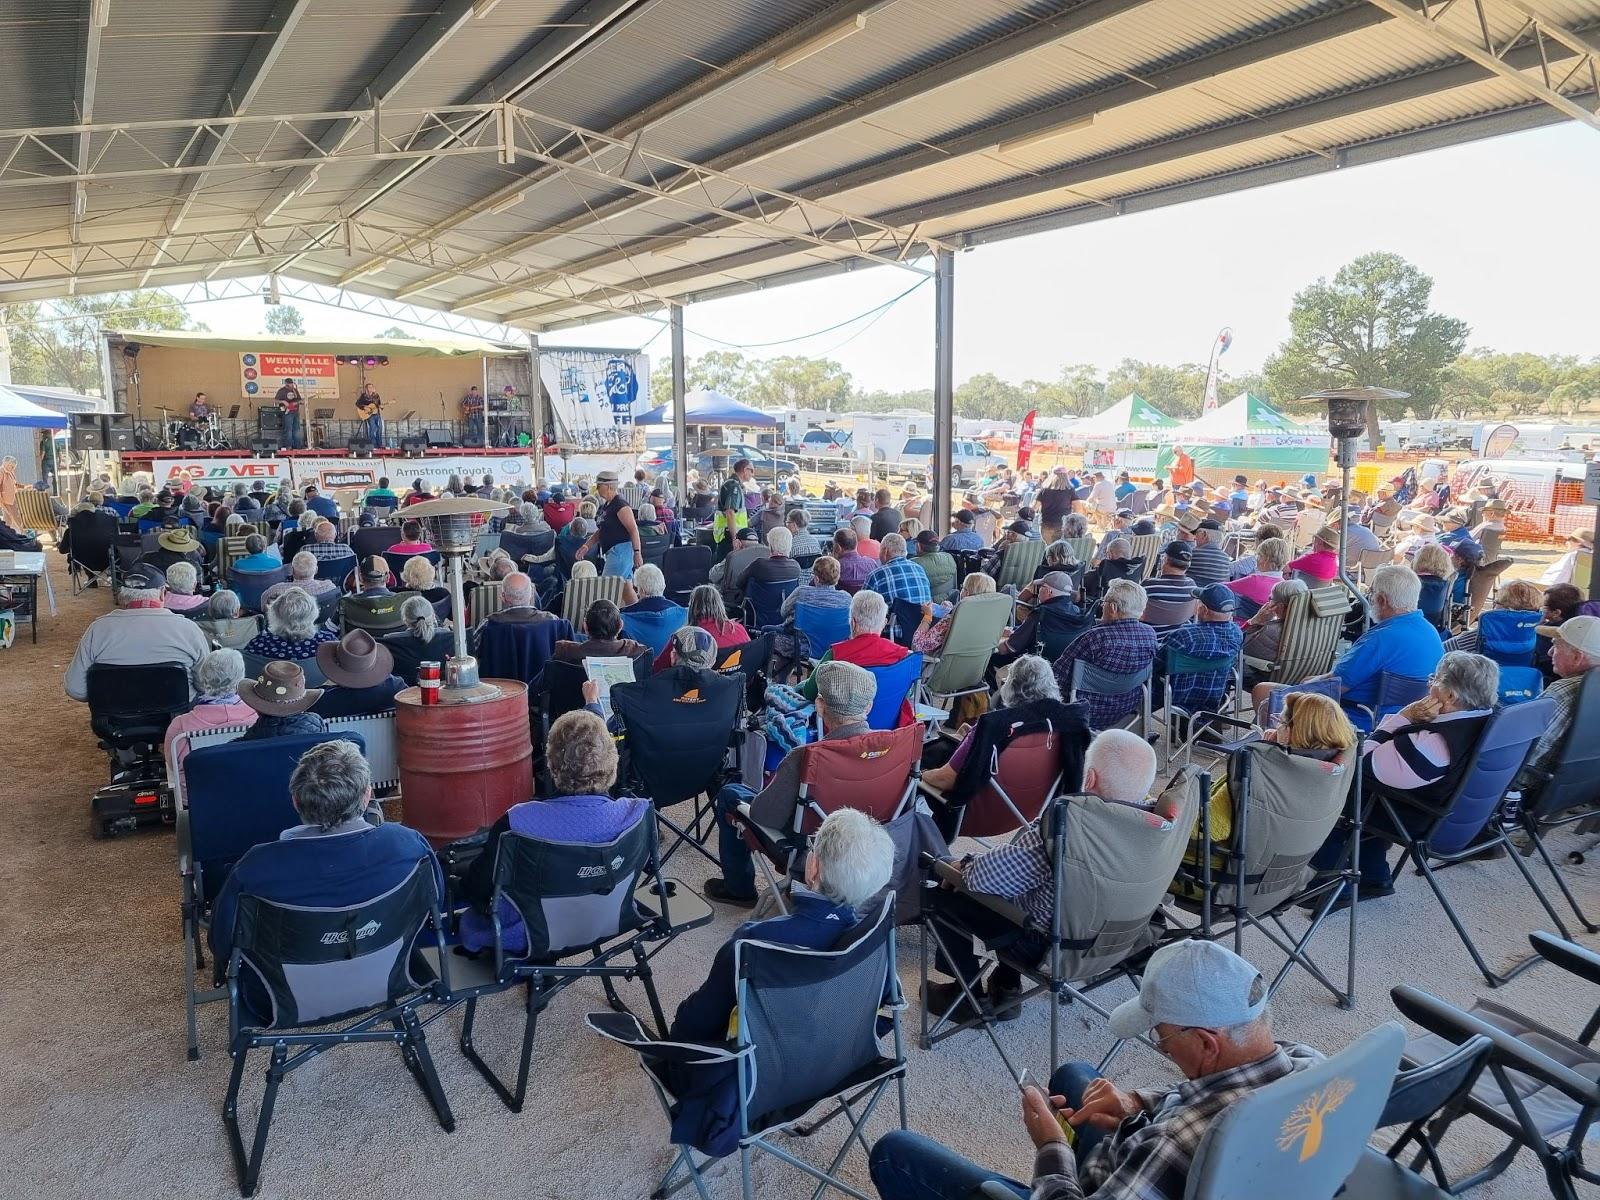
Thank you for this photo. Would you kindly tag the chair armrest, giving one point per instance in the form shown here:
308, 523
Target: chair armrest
1457, 1026
624, 1028
776, 836
1569, 956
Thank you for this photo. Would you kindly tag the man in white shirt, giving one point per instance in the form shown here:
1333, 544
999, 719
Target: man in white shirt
1103, 496
140, 633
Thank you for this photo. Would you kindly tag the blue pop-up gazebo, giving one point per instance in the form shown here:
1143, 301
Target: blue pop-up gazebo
18, 412
711, 408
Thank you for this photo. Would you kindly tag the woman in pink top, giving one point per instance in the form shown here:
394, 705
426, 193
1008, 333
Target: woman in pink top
182, 579
1257, 588
217, 677
411, 540
708, 612
1323, 560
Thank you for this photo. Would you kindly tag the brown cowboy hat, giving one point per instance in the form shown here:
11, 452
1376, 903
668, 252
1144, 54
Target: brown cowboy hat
1496, 506
355, 661
280, 691
179, 541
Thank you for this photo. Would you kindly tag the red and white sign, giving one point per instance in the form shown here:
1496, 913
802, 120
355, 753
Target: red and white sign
261, 375
1025, 440
221, 473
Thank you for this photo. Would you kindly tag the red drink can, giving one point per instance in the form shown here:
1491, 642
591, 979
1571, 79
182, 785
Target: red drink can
428, 674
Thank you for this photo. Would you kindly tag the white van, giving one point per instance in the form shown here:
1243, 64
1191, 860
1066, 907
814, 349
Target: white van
968, 460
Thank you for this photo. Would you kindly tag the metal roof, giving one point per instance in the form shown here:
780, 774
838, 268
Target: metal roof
544, 163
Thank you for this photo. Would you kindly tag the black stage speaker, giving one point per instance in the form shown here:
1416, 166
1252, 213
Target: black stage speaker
412, 447
440, 435
88, 431
360, 446
269, 420
264, 447
118, 431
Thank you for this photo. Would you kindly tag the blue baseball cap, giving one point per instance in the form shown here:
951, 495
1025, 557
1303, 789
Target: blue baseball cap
1218, 597
1194, 984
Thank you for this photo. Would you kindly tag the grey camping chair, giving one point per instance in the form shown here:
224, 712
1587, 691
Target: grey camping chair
1017, 564
599, 906
1284, 806
1112, 865
807, 1035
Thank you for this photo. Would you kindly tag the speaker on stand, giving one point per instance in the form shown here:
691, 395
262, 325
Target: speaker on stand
119, 432
87, 431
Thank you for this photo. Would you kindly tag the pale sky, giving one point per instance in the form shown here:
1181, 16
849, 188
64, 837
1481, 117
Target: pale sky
1505, 227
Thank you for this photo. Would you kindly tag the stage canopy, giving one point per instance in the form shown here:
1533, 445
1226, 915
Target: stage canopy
15, 411
711, 408
1246, 434
1131, 421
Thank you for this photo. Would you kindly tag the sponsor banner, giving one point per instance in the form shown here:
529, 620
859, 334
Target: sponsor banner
220, 473
595, 395
261, 375
331, 474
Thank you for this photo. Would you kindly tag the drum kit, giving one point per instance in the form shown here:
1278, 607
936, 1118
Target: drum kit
189, 435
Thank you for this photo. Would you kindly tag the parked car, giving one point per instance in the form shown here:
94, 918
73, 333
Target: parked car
825, 443
659, 459
968, 460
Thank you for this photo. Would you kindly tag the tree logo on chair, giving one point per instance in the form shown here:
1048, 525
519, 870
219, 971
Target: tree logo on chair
1305, 1122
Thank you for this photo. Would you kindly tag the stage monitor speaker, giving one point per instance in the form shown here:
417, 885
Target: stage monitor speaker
88, 431
119, 433
440, 435
359, 447
412, 447
264, 447
269, 421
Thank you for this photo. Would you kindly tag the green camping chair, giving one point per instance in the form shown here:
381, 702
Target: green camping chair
1018, 562
974, 633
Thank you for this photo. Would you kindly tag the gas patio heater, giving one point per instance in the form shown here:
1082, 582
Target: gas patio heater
1347, 421
451, 528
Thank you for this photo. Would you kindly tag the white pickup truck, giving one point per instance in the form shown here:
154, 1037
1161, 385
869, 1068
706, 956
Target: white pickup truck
968, 460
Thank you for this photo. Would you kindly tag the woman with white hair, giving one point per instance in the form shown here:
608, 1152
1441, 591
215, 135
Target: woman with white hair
866, 545
423, 638
292, 633
1418, 754
182, 580
866, 646
848, 865
650, 586
224, 623
1030, 702
303, 575
217, 677
418, 575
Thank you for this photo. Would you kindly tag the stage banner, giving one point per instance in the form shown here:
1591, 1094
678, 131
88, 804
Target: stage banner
220, 473
261, 375
595, 395
330, 474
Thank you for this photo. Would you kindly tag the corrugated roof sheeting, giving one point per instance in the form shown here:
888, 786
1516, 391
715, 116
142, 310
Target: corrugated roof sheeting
40, 40
481, 48
334, 54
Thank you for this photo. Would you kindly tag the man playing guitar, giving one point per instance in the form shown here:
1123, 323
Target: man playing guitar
288, 399
369, 407
472, 415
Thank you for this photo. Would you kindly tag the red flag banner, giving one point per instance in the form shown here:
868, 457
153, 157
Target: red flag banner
1025, 440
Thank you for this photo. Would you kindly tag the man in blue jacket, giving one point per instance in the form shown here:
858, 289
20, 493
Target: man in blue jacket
850, 860
336, 858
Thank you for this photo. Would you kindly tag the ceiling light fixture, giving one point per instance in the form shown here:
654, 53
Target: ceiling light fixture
823, 40
505, 205
1018, 145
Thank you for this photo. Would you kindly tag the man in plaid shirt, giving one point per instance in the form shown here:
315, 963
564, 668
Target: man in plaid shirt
1120, 643
898, 578
1212, 634
1206, 1010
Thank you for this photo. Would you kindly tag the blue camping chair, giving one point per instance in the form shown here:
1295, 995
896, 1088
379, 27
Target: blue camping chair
1394, 692
654, 629
1090, 679
249, 585
237, 797
1507, 636
894, 685
397, 562
1330, 688
821, 627
763, 601
905, 616
336, 568
518, 650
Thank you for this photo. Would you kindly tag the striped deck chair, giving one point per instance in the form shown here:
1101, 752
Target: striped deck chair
482, 602
581, 593
1146, 546
1018, 562
1311, 629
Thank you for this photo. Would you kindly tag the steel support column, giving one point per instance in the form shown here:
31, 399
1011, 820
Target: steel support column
680, 428
944, 359
535, 406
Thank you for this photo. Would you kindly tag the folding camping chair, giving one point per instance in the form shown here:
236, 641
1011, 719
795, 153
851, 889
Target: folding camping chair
483, 601
654, 629
1391, 693
378, 538
581, 593
378, 615
1507, 636
1111, 867
1312, 625
93, 540
806, 1034
593, 905
1425, 1099
1565, 792
397, 562
236, 796
763, 601
1017, 565
685, 568
1481, 585
1145, 548
678, 728
963, 660
250, 586
896, 683
1179, 665
1283, 806
875, 773
1088, 679
747, 659
319, 970
1468, 823
1540, 1090
820, 629
1024, 774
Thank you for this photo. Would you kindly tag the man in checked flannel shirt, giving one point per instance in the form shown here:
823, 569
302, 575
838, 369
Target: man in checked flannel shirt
1206, 1010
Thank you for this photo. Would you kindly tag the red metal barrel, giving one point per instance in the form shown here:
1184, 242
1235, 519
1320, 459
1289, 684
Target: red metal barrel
463, 765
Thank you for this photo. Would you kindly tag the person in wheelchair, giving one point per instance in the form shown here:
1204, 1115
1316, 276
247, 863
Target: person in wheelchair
581, 757
1119, 766
141, 631
850, 861
337, 856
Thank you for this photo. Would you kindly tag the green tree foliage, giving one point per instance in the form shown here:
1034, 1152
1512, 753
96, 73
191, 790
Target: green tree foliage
285, 319
1370, 325
1177, 391
394, 331
56, 343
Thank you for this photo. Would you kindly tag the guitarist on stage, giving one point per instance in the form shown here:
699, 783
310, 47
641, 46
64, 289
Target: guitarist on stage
288, 401
369, 407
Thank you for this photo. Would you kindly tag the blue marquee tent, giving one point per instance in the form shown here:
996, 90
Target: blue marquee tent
16, 411
711, 408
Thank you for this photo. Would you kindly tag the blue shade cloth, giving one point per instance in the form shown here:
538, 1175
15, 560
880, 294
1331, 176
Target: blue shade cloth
710, 408
16, 411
